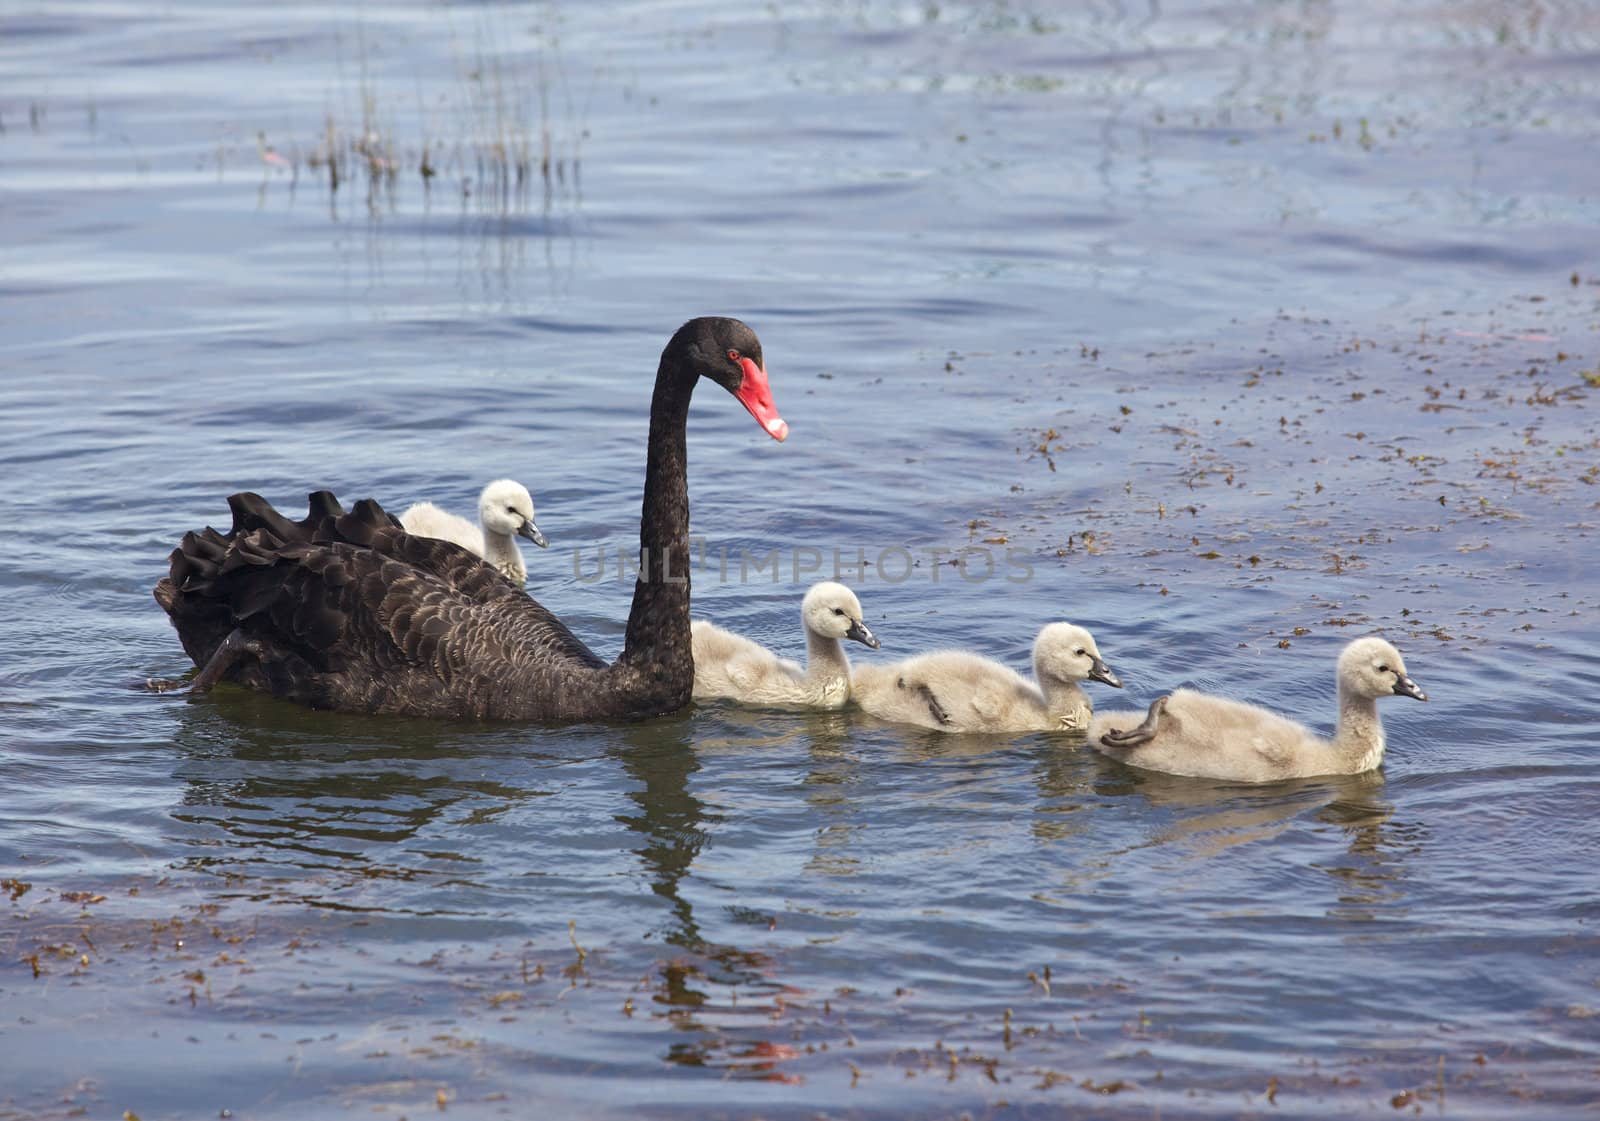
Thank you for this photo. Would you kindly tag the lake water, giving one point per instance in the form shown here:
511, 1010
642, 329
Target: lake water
1231, 331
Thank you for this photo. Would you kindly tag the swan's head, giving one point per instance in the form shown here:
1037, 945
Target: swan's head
1066, 653
728, 352
833, 611
506, 507
1370, 667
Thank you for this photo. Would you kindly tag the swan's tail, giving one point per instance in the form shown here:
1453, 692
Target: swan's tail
207, 592
216, 582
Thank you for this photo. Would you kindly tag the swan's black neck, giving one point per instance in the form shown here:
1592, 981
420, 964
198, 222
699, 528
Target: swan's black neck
658, 642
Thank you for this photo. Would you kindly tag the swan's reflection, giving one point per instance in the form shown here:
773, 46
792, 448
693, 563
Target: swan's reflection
1371, 878
835, 764
669, 820
710, 990
1216, 816
832, 744
324, 808
1064, 776
1213, 818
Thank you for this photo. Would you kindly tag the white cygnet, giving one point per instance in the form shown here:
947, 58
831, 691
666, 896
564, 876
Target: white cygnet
504, 508
730, 667
1190, 733
954, 691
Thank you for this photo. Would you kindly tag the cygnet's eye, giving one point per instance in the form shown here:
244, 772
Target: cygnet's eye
1080, 651
838, 611
1383, 668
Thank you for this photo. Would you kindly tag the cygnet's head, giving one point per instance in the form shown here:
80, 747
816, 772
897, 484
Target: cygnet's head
1370, 667
833, 611
1066, 653
506, 507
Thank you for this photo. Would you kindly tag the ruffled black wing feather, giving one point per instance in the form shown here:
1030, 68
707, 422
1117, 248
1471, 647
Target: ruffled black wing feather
346, 610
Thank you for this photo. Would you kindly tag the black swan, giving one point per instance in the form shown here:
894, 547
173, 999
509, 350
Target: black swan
347, 611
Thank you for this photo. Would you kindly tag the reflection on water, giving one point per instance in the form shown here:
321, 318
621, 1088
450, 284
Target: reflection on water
711, 988
831, 783
1217, 816
1204, 820
659, 759
322, 808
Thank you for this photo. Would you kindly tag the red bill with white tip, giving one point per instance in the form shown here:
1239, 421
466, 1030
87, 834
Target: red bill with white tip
756, 395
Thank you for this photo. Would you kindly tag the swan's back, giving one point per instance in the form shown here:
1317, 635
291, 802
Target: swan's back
728, 666
353, 613
1190, 733
979, 694
951, 691
1216, 737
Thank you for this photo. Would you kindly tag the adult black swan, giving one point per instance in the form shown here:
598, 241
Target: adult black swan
347, 611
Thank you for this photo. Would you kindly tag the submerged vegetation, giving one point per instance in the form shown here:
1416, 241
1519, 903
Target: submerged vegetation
1471, 429
490, 137
499, 127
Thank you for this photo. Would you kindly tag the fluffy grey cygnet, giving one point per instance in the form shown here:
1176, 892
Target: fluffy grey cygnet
504, 508
1190, 733
954, 691
728, 666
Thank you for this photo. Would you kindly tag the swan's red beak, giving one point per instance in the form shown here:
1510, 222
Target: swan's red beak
756, 395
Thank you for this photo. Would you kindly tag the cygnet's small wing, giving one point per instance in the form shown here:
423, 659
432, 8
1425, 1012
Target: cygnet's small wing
426, 520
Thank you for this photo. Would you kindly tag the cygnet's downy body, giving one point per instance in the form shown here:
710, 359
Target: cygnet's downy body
1192, 733
728, 666
955, 691
505, 511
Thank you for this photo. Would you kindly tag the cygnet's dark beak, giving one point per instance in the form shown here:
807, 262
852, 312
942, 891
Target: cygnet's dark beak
1099, 671
531, 532
858, 631
1405, 687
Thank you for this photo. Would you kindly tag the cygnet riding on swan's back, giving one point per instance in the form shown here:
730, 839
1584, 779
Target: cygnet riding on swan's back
1190, 733
348, 611
953, 691
730, 667
504, 508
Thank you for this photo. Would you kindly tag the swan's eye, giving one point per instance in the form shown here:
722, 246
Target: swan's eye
733, 355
